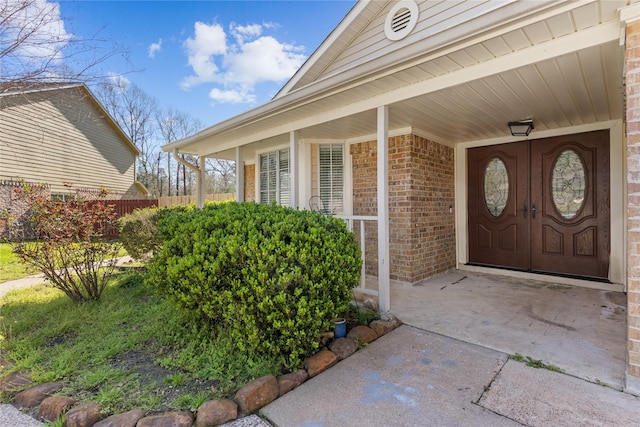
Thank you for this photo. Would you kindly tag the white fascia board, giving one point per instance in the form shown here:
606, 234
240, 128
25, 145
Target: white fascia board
631, 13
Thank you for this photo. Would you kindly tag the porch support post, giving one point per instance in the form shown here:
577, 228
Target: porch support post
199, 171
239, 175
294, 163
201, 192
384, 299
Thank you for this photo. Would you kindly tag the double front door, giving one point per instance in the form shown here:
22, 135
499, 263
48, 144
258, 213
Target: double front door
541, 205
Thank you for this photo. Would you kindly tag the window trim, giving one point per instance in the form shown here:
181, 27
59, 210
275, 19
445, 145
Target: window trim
258, 154
344, 178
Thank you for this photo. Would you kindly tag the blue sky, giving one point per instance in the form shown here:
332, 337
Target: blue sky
211, 59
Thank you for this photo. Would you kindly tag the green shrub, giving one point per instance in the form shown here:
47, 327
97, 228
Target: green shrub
272, 276
139, 233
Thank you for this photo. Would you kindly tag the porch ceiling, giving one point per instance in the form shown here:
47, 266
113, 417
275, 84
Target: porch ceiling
574, 89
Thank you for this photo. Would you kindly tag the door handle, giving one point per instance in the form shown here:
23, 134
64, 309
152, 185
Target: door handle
524, 211
533, 211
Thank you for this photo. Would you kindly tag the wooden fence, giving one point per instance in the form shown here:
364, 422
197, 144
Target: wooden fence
164, 202
123, 207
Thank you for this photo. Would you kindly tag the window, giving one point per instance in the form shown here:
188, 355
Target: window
275, 177
331, 168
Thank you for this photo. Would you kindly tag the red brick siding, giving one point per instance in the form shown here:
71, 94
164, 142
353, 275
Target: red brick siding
421, 190
365, 200
249, 183
632, 81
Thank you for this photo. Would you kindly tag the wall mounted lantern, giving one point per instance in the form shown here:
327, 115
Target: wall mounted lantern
521, 128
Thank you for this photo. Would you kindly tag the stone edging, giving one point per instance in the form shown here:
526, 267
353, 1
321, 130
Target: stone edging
249, 399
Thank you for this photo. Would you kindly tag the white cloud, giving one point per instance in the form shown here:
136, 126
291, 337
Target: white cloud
41, 21
232, 96
264, 59
236, 62
119, 81
155, 48
208, 42
241, 33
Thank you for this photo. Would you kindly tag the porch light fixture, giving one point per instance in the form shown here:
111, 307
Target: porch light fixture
521, 128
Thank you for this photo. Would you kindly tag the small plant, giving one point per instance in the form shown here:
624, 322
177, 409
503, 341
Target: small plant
535, 363
57, 423
66, 241
192, 401
175, 380
359, 314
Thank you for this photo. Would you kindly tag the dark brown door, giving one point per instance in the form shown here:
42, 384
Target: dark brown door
542, 205
498, 196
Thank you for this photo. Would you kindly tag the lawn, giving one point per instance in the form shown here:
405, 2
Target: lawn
10, 266
131, 349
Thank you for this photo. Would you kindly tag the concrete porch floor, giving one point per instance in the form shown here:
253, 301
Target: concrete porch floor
580, 330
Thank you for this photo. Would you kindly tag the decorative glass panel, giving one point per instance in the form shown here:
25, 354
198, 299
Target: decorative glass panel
496, 186
568, 184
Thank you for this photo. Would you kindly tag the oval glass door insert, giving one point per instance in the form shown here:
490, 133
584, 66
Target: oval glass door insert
496, 186
568, 184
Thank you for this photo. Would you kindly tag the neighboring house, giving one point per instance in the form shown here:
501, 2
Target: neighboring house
400, 120
60, 135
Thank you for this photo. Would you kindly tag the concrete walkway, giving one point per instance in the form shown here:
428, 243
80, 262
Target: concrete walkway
37, 279
411, 377
25, 282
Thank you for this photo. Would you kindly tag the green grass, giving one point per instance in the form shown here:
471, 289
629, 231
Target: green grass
130, 349
10, 266
535, 363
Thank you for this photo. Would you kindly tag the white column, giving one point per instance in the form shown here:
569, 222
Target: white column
294, 165
384, 299
239, 175
202, 183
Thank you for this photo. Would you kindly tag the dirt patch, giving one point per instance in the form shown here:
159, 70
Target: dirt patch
167, 384
61, 339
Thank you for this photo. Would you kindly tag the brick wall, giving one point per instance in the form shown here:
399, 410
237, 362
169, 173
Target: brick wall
365, 200
432, 206
421, 191
249, 183
632, 81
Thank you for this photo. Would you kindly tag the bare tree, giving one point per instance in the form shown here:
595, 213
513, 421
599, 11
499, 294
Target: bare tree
174, 125
36, 48
223, 173
135, 110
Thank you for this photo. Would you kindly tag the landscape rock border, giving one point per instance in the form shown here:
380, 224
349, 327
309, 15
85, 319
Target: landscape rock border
248, 400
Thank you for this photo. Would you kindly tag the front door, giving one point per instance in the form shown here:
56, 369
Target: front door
541, 205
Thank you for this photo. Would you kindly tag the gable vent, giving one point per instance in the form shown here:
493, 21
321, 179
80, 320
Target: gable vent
401, 20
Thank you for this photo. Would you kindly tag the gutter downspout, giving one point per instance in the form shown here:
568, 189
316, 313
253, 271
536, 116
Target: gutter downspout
199, 177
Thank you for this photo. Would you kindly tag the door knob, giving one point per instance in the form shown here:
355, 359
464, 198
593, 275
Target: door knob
533, 211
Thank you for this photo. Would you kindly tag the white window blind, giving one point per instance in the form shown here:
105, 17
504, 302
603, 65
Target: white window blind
275, 177
331, 168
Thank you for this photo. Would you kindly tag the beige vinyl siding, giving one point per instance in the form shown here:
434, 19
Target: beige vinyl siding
434, 17
59, 136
